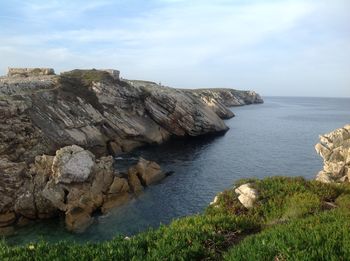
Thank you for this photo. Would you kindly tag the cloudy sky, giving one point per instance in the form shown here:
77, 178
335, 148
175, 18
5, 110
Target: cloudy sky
288, 48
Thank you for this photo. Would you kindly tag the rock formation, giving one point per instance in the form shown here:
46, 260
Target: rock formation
72, 182
247, 195
95, 110
334, 148
57, 130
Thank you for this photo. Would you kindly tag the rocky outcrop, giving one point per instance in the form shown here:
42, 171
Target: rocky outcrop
73, 183
229, 97
96, 111
72, 164
247, 195
57, 130
334, 148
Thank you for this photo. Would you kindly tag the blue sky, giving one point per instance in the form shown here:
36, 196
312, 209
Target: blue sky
288, 48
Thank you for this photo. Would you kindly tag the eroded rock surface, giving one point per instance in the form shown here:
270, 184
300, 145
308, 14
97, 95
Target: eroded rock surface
56, 130
96, 111
72, 164
72, 182
334, 148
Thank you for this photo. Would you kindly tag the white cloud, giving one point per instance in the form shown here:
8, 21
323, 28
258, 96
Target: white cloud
182, 43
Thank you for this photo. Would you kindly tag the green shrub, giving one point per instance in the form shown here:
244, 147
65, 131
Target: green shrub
343, 201
320, 237
77, 83
302, 204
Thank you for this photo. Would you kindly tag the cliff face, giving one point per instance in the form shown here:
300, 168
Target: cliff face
42, 113
334, 148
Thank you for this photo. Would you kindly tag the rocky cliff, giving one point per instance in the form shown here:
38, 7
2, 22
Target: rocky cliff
41, 113
334, 148
48, 122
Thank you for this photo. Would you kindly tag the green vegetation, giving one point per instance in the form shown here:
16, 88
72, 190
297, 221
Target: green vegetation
293, 219
325, 236
88, 76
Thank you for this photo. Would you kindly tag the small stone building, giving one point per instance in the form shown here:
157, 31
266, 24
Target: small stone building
11, 72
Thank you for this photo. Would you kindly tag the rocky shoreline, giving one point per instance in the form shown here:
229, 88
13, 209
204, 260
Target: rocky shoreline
334, 148
58, 130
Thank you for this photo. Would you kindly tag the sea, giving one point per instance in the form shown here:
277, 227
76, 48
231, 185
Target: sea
276, 138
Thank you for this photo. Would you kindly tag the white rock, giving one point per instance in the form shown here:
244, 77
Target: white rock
334, 148
247, 195
72, 164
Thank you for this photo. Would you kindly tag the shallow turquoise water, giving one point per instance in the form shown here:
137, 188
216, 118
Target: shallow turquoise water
275, 138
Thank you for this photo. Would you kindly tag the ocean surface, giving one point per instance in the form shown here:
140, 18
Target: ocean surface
274, 138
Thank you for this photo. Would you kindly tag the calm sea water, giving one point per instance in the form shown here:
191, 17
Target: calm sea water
275, 138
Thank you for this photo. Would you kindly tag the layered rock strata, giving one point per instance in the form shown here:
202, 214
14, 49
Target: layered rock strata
95, 110
57, 130
334, 148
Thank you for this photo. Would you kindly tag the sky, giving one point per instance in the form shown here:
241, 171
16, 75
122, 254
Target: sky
275, 47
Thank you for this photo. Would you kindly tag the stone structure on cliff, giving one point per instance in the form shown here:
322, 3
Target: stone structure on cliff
11, 72
334, 148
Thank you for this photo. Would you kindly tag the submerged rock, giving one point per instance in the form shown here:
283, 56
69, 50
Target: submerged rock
334, 148
149, 172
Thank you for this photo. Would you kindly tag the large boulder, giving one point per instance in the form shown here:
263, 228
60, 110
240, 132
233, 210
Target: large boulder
334, 148
78, 219
119, 185
72, 164
149, 172
134, 181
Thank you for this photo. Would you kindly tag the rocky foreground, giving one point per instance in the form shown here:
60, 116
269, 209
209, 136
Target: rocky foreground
56, 132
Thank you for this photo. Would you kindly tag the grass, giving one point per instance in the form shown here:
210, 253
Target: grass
325, 236
293, 219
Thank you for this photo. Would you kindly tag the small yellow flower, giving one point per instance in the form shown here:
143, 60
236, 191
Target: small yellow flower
31, 247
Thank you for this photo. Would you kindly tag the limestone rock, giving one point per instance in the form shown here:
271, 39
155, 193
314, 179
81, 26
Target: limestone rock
334, 148
119, 185
134, 181
55, 194
149, 172
25, 203
11, 181
247, 195
99, 112
72, 164
72, 182
114, 201
78, 219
